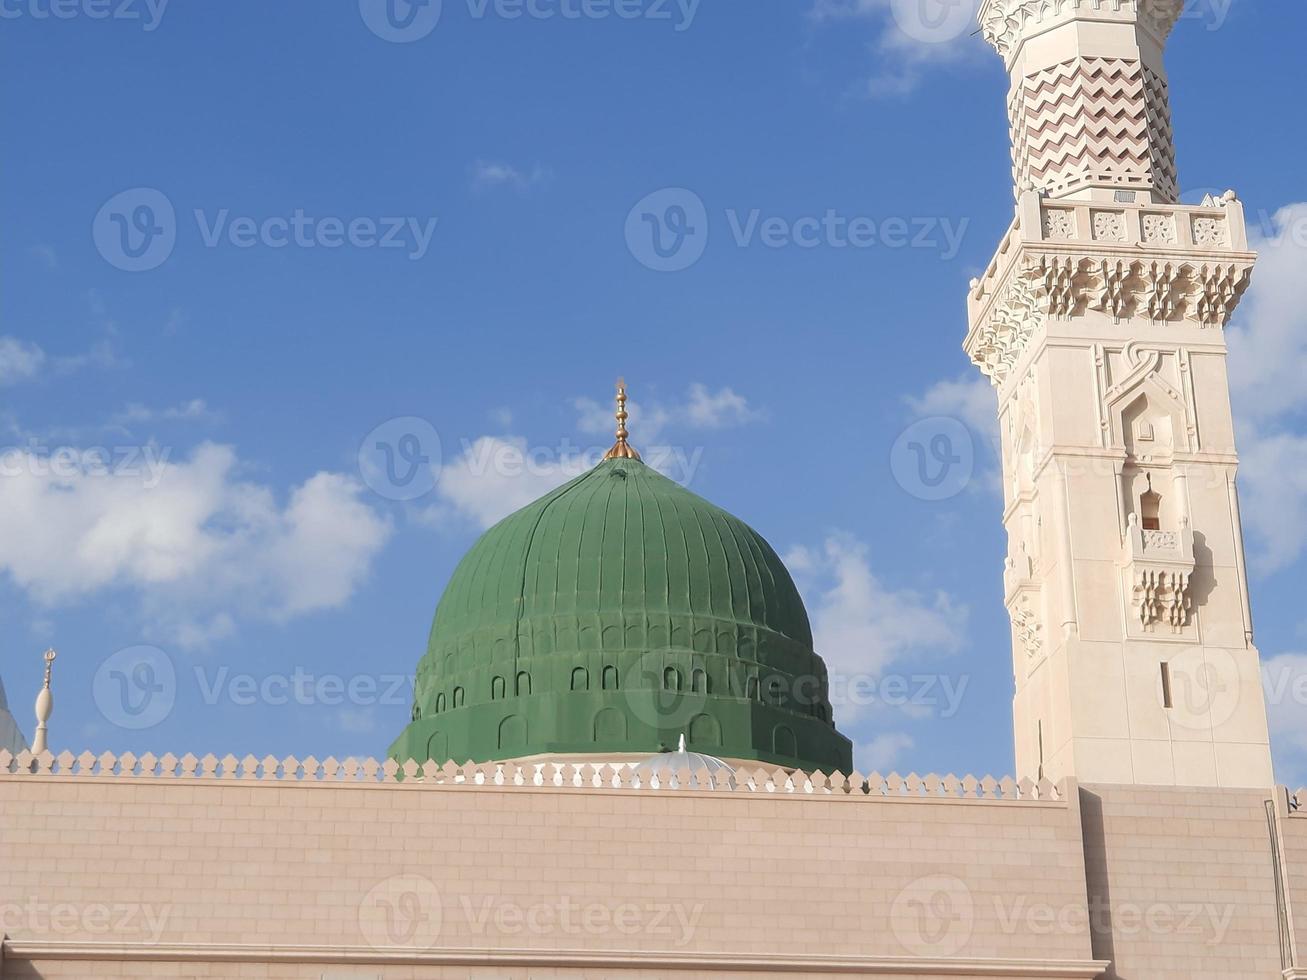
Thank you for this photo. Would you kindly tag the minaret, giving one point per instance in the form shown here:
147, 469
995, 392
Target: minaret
1100, 321
44, 708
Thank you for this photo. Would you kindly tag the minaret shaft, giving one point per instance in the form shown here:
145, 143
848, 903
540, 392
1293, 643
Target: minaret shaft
1089, 106
1100, 322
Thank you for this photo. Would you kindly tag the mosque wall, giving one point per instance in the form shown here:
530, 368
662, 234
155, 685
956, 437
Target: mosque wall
105, 875
1181, 881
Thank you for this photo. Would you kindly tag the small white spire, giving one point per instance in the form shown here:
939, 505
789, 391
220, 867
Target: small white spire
681, 746
44, 707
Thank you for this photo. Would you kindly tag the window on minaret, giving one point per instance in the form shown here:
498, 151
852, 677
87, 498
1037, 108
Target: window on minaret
1150, 511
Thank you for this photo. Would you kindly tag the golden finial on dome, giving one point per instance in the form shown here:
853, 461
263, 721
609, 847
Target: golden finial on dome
622, 449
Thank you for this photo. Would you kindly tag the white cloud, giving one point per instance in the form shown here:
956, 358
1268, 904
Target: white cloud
19, 360
882, 752
201, 548
1268, 343
717, 410
496, 476
487, 174
1268, 346
1284, 680
195, 410
1273, 497
861, 627
701, 409
970, 399
914, 37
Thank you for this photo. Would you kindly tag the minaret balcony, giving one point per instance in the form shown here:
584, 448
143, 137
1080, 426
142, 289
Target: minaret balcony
1123, 257
1159, 566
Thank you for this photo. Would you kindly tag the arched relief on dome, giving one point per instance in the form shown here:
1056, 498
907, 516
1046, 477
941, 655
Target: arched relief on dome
512, 733
610, 678
705, 731
459, 697
438, 747
671, 679
699, 682
784, 743
580, 679
523, 686
703, 640
612, 637
498, 688
610, 726
440, 702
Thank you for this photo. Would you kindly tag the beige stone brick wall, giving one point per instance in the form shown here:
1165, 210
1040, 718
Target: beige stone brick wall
1187, 879
183, 863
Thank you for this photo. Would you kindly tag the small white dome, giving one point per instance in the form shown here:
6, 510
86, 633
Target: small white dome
661, 770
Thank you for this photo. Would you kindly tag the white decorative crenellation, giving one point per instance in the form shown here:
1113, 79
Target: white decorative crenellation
501, 775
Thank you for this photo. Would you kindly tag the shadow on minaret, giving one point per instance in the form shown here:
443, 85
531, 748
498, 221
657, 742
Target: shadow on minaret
1203, 580
1098, 889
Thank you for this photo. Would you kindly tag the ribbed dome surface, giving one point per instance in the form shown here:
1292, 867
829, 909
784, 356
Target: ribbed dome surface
612, 615
621, 538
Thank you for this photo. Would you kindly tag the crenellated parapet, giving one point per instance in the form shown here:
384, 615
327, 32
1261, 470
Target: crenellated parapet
1162, 263
190, 769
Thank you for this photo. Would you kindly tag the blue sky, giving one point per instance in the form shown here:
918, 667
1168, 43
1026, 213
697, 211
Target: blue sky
444, 222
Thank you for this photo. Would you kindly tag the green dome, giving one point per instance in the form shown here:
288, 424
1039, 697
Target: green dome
611, 616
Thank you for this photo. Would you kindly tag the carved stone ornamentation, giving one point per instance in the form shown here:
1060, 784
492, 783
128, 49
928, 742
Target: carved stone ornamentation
1159, 229
1160, 291
1161, 567
1109, 226
1059, 224
1028, 628
1013, 322
1163, 597
1219, 289
1113, 294
1209, 232
1059, 283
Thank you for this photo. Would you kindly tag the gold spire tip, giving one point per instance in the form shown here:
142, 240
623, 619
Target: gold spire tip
622, 449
